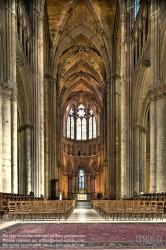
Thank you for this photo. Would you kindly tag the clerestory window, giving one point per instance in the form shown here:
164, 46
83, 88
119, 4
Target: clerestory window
81, 123
70, 124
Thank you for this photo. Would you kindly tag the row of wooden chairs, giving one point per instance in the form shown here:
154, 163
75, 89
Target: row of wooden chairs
118, 209
151, 196
48, 209
6, 197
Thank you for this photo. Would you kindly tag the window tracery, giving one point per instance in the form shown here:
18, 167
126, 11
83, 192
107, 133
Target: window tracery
81, 123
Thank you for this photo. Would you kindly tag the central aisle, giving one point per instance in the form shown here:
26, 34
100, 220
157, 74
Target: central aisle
84, 213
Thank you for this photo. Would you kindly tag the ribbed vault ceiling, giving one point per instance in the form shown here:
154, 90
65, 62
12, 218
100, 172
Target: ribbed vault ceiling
81, 34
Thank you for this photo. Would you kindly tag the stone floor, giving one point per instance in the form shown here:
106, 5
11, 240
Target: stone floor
83, 213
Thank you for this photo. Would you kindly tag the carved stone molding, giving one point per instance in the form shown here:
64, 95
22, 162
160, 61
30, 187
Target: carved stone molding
141, 128
24, 127
14, 95
146, 63
157, 93
0, 88
6, 93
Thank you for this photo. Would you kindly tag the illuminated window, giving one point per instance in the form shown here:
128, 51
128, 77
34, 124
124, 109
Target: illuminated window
81, 178
70, 124
92, 124
81, 123
79, 126
136, 7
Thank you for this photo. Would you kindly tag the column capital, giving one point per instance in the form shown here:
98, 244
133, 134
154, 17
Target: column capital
25, 126
141, 128
157, 92
6, 92
14, 94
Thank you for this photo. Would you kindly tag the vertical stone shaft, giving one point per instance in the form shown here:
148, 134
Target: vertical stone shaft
1, 137
154, 82
142, 161
38, 116
136, 159
6, 141
14, 170
124, 112
46, 136
108, 122
10, 105
28, 160
55, 123
161, 145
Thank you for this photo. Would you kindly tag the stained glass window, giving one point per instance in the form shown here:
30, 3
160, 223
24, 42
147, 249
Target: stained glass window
92, 124
70, 124
81, 177
136, 7
90, 127
84, 129
94, 127
78, 129
81, 123
72, 127
68, 127
77, 123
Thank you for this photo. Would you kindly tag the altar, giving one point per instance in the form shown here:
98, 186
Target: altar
83, 196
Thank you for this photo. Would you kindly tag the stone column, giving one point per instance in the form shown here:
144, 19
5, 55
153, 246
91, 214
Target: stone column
14, 170
10, 105
136, 158
47, 136
161, 140
22, 161
37, 16
1, 183
70, 187
65, 185
139, 159
109, 167
158, 139
147, 172
155, 80
93, 179
152, 147
76, 184
142, 160
73, 184
126, 108
6, 140
28, 160
88, 183
97, 182
113, 135
55, 127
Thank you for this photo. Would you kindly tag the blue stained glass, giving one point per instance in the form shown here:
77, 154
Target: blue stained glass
81, 180
136, 7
